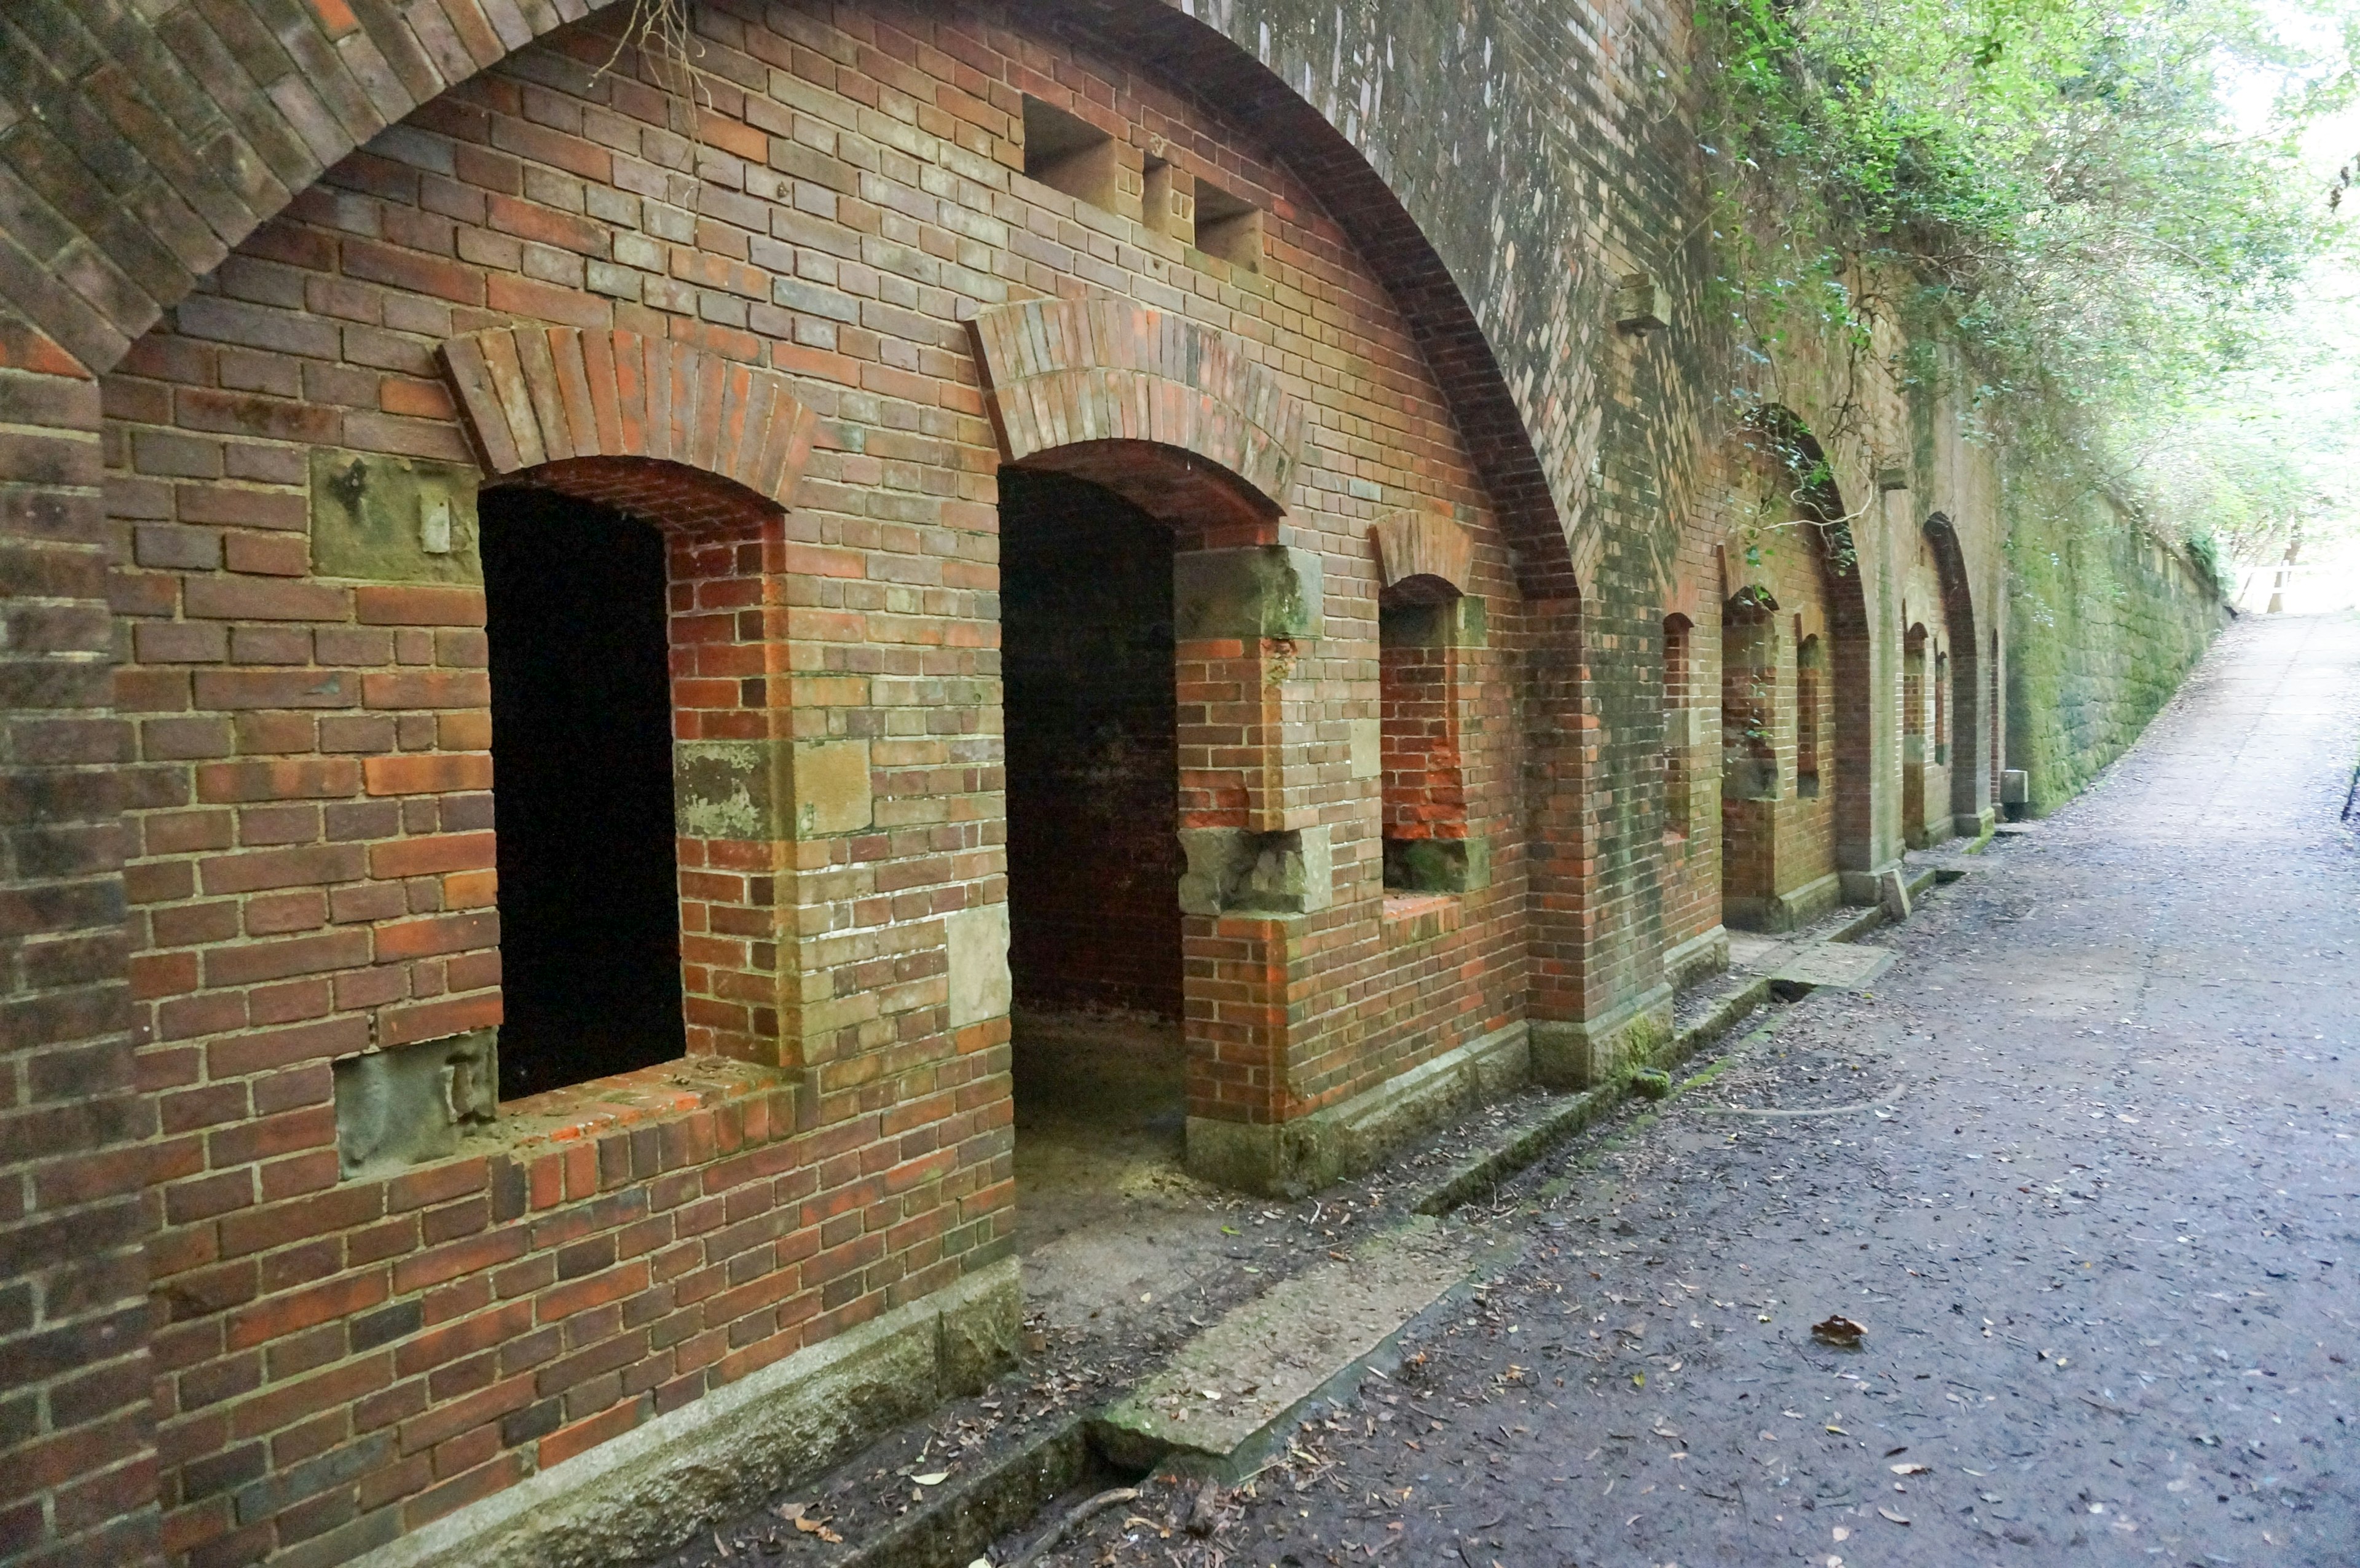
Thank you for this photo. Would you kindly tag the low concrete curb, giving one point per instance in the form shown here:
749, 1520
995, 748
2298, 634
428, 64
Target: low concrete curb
639, 1494
1564, 1117
978, 1509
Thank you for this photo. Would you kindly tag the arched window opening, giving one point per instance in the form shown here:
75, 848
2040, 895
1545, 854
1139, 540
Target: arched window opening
1678, 742
1749, 754
1749, 698
1913, 731
1811, 691
1424, 789
1941, 709
582, 732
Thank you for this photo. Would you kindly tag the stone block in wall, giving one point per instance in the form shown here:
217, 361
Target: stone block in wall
759, 790
393, 520
1261, 591
402, 1106
1367, 743
980, 984
1239, 871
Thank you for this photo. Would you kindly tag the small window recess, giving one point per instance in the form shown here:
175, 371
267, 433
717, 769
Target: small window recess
1229, 227
1169, 204
1808, 679
1680, 743
1426, 843
1069, 154
1941, 709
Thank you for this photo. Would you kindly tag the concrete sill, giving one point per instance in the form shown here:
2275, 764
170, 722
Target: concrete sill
1420, 917
668, 1089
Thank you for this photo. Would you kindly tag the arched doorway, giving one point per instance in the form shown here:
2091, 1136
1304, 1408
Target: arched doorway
1795, 772
1091, 713
1968, 753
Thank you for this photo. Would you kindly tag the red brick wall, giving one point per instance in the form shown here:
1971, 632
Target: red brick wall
309, 814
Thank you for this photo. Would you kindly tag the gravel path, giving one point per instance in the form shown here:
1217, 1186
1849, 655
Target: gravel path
2087, 1176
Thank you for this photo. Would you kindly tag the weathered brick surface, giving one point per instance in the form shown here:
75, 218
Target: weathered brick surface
245, 809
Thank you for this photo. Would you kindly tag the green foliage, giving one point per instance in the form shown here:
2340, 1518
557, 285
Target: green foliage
2059, 189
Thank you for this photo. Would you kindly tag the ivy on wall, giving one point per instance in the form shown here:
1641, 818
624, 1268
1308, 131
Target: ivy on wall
2053, 199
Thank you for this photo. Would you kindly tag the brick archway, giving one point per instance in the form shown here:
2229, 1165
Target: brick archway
709, 451
1078, 385
1969, 786
190, 128
534, 395
1423, 544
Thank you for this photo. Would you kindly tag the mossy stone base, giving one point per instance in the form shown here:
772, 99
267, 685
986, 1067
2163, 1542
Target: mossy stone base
644, 1492
1585, 1053
1288, 1160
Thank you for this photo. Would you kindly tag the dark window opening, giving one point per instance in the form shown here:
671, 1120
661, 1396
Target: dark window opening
1810, 681
1749, 699
1941, 709
1677, 741
589, 894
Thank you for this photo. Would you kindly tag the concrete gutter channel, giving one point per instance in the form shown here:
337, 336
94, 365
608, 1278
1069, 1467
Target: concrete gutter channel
1314, 1338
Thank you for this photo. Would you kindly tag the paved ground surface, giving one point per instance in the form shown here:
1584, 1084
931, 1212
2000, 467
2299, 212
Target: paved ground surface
2096, 1204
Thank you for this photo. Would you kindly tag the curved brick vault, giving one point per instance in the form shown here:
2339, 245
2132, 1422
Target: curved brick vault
1073, 383
534, 395
138, 147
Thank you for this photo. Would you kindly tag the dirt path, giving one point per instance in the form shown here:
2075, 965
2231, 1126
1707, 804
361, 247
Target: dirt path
2105, 1239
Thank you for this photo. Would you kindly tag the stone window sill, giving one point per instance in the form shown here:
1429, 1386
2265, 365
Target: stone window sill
1420, 917
628, 1099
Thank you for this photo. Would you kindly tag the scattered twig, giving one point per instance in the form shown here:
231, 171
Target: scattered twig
1064, 1526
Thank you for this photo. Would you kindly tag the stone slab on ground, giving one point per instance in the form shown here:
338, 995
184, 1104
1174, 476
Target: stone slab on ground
1759, 954
1254, 1367
1832, 965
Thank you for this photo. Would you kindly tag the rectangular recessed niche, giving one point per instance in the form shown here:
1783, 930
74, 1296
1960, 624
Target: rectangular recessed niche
1169, 204
1229, 226
1068, 154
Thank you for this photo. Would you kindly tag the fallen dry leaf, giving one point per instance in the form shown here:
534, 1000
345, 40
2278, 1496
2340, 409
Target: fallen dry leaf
934, 1480
1838, 1330
1896, 1518
1909, 1469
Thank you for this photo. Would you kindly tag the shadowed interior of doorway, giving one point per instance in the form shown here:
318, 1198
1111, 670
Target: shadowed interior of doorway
1105, 1213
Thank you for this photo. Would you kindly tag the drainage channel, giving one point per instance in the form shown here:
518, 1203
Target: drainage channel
1225, 1402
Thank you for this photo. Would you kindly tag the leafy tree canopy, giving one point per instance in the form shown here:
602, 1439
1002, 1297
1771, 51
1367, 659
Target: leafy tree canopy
2116, 213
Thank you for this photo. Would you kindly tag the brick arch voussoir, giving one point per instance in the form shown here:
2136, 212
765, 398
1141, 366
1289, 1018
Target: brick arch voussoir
534, 397
1423, 544
1074, 385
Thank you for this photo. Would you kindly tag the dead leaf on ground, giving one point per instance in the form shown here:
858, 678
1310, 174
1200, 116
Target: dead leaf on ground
1912, 1468
1896, 1518
1838, 1330
798, 1515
